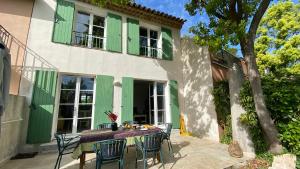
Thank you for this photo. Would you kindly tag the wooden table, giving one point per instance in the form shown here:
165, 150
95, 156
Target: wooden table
89, 137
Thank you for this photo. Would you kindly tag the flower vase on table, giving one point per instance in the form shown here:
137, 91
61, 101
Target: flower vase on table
113, 117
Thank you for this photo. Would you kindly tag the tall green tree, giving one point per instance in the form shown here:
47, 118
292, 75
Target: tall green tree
235, 22
278, 40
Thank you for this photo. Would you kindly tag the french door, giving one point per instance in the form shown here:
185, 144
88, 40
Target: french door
75, 104
157, 103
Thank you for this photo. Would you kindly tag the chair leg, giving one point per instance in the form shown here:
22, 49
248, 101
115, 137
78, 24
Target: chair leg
99, 164
145, 160
136, 157
172, 153
57, 161
121, 164
161, 158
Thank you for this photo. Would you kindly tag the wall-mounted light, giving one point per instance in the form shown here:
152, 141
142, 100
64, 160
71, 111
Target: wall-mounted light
117, 83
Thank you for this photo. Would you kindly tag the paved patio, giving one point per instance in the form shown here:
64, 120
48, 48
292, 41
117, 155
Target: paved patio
190, 153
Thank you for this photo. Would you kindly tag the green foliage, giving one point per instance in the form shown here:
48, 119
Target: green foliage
227, 25
290, 135
227, 135
222, 100
222, 103
283, 100
278, 40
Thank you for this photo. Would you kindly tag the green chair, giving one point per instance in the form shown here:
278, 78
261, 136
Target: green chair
104, 126
166, 136
149, 144
108, 151
65, 145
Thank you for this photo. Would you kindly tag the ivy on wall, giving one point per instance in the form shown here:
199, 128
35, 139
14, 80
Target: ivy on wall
222, 104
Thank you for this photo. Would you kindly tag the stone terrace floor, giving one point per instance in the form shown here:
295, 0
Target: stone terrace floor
189, 153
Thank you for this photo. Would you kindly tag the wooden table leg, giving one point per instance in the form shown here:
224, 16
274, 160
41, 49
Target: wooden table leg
82, 161
158, 157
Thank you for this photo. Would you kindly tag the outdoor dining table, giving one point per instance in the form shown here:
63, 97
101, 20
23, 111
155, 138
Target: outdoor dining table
89, 137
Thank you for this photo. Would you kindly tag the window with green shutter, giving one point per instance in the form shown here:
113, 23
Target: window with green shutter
103, 99
174, 104
127, 99
167, 44
114, 33
63, 22
42, 107
133, 43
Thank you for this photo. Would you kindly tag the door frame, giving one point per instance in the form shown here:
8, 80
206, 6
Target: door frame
167, 113
57, 101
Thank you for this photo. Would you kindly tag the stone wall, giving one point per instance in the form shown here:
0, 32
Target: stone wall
13, 130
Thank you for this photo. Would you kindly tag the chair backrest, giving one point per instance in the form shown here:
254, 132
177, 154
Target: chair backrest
168, 128
60, 139
110, 149
104, 126
152, 142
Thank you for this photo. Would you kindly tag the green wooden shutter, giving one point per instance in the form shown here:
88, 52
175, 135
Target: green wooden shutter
133, 40
42, 107
167, 45
114, 33
63, 22
127, 99
104, 99
175, 115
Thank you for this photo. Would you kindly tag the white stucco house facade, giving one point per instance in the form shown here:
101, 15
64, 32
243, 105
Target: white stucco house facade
129, 59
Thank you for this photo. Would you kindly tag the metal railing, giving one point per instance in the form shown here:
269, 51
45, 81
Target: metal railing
87, 40
152, 52
24, 61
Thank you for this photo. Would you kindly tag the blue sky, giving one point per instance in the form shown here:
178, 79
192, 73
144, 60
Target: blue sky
175, 8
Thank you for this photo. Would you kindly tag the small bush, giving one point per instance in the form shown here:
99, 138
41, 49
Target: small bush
282, 98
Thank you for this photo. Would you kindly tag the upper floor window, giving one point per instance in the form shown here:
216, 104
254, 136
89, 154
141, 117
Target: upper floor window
148, 42
89, 30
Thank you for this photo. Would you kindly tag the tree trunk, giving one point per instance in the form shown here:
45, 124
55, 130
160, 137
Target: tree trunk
264, 117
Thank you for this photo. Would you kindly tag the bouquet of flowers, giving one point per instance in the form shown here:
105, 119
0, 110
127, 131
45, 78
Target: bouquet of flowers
112, 116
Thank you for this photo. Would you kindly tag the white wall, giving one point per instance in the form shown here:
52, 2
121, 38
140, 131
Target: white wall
195, 87
77, 60
200, 115
13, 130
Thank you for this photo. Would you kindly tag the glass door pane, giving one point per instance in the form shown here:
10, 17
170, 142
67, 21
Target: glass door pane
85, 105
67, 104
76, 104
157, 103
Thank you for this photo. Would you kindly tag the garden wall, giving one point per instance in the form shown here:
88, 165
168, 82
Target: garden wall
13, 130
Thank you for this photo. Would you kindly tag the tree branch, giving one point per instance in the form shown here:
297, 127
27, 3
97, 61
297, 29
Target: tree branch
257, 17
240, 9
232, 10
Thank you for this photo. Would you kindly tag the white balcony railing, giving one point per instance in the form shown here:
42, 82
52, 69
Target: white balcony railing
152, 52
88, 40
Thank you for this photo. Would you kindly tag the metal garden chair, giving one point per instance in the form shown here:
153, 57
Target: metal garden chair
104, 126
65, 145
108, 151
166, 136
149, 144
